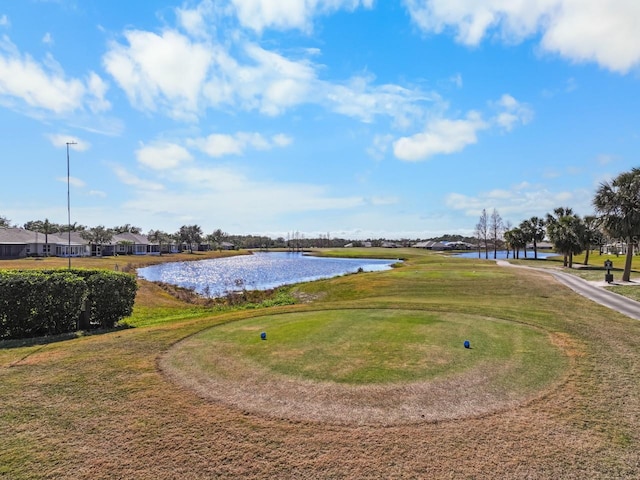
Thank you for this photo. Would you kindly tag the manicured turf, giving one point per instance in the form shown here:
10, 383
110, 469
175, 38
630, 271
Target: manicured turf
362, 346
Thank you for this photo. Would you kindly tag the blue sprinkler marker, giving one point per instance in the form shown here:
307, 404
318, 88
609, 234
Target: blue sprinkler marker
467, 344
263, 335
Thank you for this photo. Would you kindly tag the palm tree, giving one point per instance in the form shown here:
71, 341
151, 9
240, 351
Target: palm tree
516, 239
566, 231
592, 235
534, 232
618, 205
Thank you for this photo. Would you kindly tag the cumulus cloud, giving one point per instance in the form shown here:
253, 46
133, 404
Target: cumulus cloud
604, 32
441, 136
162, 155
43, 86
167, 68
183, 76
288, 14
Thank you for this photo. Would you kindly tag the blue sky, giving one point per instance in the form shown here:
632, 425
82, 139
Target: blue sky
354, 118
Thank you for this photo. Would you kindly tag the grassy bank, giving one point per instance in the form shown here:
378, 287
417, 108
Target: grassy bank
100, 407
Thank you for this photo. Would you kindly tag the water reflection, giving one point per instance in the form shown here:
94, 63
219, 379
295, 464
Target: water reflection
260, 271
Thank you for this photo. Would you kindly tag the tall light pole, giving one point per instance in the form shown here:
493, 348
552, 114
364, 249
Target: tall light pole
69, 205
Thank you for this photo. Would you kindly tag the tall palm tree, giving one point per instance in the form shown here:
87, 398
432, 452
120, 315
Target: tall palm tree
565, 230
534, 231
618, 205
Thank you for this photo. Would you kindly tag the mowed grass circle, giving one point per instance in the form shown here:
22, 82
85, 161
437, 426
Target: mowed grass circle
365, 357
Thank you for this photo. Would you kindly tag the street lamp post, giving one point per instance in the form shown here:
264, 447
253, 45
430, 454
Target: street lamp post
69, 206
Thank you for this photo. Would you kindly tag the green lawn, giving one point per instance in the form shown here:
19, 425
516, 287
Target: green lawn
363, 346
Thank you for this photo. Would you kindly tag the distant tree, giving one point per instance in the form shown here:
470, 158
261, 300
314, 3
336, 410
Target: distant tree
534, 231
507, 226
482, 233
159, 237
5, 222
190, 234
45, 227
217, 237
74, 227
496, 227
516, 238
566, 231
97, 236
126, 228
591, 235
617, 204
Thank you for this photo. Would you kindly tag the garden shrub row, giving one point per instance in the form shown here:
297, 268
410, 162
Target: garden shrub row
51, 302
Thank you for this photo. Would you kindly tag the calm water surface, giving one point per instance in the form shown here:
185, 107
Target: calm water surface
260, 271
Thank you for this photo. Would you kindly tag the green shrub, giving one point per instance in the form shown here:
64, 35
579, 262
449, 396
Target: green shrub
36, 303
111, 297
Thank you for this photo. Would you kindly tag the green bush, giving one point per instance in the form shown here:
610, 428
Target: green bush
111, 297
36, 303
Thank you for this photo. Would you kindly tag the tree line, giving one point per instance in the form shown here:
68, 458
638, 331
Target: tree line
617, 218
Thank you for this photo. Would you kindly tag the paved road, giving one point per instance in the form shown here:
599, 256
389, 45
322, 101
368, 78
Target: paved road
624, 305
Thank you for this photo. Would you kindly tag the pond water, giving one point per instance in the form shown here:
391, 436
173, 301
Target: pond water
502, 254
260, 271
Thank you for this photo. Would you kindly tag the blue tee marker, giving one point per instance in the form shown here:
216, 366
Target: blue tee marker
263, 335
467, 344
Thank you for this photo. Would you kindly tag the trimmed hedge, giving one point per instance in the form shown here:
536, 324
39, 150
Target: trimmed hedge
36, 303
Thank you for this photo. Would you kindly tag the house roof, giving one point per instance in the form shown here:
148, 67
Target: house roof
134, 238
20, 236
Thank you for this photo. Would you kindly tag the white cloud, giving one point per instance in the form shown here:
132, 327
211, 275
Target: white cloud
75, 143
44, 86
513, 113
381, 144
442, 136
519, 202
76, 182
227, 195
97, 193
4, 21
360, 99
162, 155
604, 32
282, 140
182, 77
132, 180
47, 39
167, 68
288, 14
219, 145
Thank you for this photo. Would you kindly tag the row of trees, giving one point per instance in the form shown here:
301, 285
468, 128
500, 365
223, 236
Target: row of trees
617, 206
192, 235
